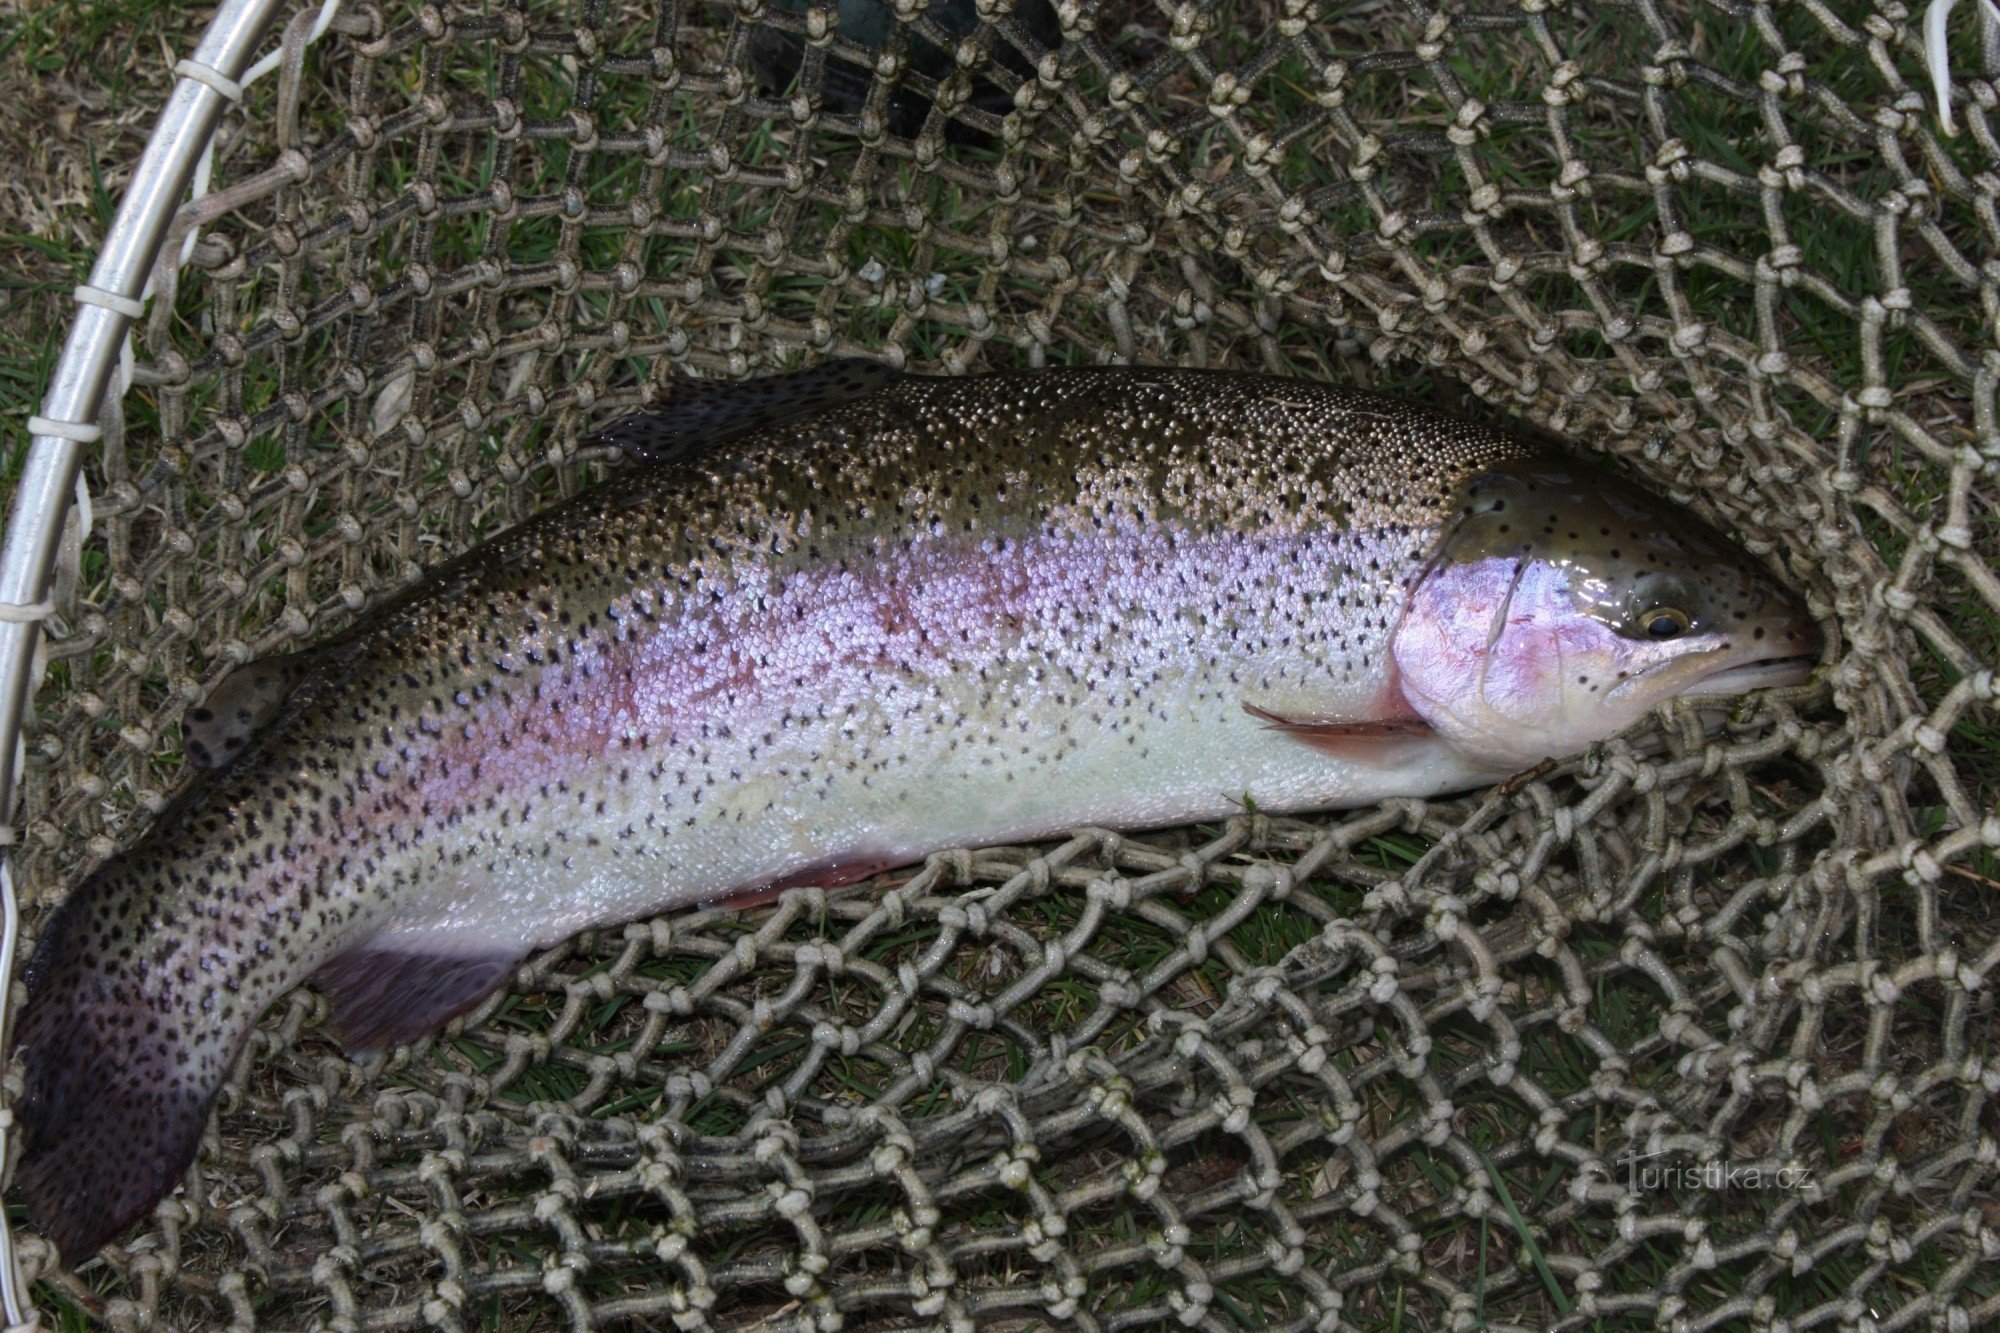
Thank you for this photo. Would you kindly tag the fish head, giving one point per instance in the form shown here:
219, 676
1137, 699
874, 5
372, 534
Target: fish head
1563, 602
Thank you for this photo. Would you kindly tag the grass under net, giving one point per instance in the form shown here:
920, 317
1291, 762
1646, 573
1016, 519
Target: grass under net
1398, 1068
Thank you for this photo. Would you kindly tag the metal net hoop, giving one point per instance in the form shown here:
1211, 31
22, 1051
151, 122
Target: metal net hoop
1496, 1061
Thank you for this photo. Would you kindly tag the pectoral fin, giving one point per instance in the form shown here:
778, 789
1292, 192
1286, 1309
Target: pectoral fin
383, 993
1344, 738
223, 724
700, 414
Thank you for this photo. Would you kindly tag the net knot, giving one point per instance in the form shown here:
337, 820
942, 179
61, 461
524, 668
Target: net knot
1116, 893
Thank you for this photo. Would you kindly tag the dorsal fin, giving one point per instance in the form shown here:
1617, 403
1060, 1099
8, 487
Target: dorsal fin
223, 724
700, 414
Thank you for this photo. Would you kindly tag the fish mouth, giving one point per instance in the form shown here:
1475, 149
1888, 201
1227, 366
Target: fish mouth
1776, 668
1702, 675
1741, 679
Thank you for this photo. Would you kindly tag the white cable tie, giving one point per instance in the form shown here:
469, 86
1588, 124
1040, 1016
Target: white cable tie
86, 513
1937, 55
85, 294
82, 432
26, 613
327, 13
214, 78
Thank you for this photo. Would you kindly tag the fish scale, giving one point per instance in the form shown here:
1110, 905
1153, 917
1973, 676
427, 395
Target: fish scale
850, 619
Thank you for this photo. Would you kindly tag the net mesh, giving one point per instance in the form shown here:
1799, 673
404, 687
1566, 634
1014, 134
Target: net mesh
1692, 1031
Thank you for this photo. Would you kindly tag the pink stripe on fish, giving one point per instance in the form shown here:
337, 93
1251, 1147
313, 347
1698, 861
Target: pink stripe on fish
768, 647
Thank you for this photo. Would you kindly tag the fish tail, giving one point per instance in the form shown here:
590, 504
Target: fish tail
116, 1089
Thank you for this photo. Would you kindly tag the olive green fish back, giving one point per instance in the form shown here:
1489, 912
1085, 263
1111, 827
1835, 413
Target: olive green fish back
1695, 1030
1213, 451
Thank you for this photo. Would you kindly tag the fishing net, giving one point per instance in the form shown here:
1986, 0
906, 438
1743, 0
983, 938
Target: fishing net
1693, 1030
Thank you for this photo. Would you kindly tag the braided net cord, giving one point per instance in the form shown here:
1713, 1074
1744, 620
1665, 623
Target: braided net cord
1400, 1067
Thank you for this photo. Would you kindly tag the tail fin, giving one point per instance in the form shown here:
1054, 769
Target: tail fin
116, 1091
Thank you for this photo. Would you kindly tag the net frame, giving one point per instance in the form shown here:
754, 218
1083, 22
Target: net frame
1500, 879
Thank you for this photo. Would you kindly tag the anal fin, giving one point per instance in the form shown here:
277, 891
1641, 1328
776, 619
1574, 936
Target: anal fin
697, 415
832, 874
385, 993
213, 732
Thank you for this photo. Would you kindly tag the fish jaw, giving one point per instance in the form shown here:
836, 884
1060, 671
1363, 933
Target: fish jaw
1741, 678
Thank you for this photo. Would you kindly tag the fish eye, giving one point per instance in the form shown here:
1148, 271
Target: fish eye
1664, 622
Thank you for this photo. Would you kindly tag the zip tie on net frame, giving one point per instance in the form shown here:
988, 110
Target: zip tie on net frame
80, 432
85, 294
230, 89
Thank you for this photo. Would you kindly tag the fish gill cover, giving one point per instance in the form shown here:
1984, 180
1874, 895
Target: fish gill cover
1692, 1028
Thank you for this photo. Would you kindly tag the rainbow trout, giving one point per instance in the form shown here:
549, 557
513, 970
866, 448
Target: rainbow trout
829, 623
